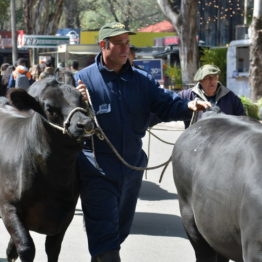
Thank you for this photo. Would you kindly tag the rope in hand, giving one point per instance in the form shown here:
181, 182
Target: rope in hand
192, 121
102, 135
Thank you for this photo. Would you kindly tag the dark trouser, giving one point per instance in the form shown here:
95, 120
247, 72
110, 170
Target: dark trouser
108, 206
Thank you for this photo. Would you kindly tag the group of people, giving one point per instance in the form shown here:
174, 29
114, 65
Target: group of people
124, 97
22, 76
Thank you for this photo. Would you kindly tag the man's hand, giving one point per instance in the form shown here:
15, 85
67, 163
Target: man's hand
82, 89
198, 105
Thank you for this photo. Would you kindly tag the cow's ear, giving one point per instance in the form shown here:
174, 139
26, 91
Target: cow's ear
20, 99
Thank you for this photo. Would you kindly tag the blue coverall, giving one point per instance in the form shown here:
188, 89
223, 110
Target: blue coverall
122, 102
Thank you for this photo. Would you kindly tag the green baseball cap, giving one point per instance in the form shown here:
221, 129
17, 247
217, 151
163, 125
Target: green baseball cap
205, 70
113, 29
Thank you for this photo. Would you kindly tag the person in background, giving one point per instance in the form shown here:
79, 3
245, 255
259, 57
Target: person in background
49, 69
50, 66
4, 67
132, 54
61, 66
20, 71
36, 70
123, 98
74, 67
208, 88
4, 78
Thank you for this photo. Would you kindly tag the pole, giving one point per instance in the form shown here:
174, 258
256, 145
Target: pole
13, 29
257, 9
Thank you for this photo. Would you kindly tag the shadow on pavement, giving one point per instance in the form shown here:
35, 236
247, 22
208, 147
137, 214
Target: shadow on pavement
158, 225
3, 260
151, 191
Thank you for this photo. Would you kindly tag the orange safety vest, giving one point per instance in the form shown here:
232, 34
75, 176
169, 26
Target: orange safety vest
21, 70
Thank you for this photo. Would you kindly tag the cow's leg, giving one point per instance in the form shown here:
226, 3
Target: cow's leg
20, 235
11, 252
203, 252
53, 246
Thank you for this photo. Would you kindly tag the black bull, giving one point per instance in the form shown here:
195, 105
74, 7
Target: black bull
38, 181
218, 175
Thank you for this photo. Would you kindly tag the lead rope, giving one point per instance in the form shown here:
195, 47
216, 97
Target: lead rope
195, 114
167, 163
148, 149
192, 121
102, 136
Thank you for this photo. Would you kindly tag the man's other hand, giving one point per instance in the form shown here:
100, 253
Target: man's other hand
82, 89
198, 105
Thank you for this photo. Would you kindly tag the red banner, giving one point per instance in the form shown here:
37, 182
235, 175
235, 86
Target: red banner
6, 38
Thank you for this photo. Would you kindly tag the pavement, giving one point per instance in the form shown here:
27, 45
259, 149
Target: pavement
157, 234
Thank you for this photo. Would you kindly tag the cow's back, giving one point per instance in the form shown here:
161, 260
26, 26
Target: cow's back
215, 165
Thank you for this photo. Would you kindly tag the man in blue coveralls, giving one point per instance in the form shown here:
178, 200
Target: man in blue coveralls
123, 98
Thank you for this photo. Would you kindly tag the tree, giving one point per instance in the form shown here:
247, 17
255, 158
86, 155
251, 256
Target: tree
133, 13
183, 18
255, 70
41, 17
71, 14
4, 5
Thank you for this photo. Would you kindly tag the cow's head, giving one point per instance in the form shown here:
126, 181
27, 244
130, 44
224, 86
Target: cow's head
55, 102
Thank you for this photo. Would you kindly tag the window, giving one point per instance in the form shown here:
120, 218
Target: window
242, 56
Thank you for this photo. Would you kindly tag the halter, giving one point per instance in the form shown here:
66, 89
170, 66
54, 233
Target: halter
66, 123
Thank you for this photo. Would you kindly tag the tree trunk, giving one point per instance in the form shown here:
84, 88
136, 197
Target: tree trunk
185, 23
255, 70
41, 17
71, 14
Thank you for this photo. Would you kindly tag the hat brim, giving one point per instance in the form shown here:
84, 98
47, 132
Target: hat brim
122, 32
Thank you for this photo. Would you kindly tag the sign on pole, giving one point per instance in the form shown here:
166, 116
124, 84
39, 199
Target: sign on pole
41, 41
152, 66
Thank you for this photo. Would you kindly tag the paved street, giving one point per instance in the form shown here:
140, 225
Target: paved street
157, 234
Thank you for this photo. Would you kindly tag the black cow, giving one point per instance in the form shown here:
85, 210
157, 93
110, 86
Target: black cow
218, 176
38, 181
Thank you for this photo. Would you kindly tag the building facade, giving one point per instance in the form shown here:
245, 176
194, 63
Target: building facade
218, 21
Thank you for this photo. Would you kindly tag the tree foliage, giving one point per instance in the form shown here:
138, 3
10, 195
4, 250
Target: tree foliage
183, 15
71, 14
4, 13
133, 13
46, 16
33, 16
42, 16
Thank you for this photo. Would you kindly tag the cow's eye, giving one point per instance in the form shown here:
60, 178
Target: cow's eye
51, 110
